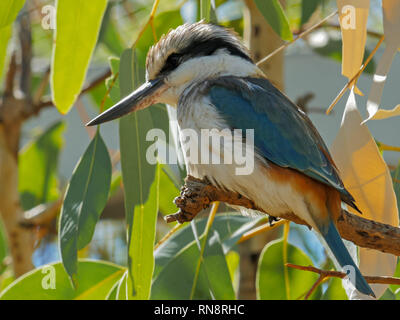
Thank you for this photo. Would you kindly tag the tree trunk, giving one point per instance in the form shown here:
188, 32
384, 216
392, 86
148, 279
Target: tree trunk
20, 239
13, 112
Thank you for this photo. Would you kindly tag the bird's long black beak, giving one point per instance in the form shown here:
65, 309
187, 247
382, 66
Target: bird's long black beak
143, 97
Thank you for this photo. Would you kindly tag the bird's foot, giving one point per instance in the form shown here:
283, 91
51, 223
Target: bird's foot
191, 201
272, 219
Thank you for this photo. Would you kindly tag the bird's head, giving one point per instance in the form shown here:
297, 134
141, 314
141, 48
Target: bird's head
188, 54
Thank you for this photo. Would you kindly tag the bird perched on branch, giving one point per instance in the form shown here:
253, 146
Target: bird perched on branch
206, 72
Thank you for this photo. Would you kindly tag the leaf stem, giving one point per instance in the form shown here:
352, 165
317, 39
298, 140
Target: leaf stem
210, 221
258, 230
285, 268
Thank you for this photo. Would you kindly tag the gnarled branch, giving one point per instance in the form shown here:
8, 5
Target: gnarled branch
198, 194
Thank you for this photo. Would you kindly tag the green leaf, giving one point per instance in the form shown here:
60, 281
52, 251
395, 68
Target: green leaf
141, 244
95, 278
3, 245
388, 295
141, 184
111, 83
217, 271
214, 274
78, 25
205, 8
396, 288
85, 199
9, 10
396, 184
168, 193
98, 93
109, 35
112, 295
37, 165
335, 290
233, 262
5, 35
163, 22
230, 228
270, 279
308, 7
276, 18
121, 290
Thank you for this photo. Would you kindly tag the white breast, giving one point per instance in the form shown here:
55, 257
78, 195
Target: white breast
198, 113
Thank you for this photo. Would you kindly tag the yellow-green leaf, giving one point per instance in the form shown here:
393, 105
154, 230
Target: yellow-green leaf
275, 16
9, 10
5, 34
50, 282
78, 25
270, 279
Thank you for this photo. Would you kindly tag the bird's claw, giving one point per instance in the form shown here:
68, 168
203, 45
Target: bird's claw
272, 219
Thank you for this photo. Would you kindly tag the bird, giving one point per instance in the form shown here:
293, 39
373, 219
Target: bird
206, 73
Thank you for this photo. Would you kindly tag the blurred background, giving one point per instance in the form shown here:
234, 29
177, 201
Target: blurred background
308, 71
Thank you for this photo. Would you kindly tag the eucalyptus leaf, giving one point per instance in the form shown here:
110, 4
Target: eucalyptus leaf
85, 199
50, 282
229, 227
141, 184
213, 280
78, 26
270, 280
37, 164
308, 7
9, 10
335, 290
273, 13
5, 35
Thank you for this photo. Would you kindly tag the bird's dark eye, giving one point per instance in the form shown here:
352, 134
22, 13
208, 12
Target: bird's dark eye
173, 60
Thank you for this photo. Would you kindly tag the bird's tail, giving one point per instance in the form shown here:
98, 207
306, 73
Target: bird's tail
339, 250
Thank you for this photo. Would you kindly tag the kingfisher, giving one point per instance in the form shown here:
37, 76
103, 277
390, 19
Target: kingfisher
206, 72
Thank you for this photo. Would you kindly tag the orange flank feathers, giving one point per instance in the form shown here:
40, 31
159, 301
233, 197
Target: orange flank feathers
324, 201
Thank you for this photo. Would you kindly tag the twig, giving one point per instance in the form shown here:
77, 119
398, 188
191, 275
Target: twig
168, 235
261, 229
25, 40
149, 22
10, 77
210, 221
42, 214
197, 195
353, 80
324, 274
90, 86
301, 35
42, 87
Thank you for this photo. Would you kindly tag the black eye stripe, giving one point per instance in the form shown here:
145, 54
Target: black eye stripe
199, 48
173, 60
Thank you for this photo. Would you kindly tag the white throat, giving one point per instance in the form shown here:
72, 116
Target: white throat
202, 68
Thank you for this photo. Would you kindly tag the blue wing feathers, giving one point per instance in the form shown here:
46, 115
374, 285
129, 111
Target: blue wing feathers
283, 133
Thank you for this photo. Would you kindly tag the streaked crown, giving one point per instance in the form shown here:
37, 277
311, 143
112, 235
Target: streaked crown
189, 41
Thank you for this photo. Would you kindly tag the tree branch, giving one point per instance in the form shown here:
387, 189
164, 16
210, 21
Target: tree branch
325, 274
49, 103
341, 275
198, 194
